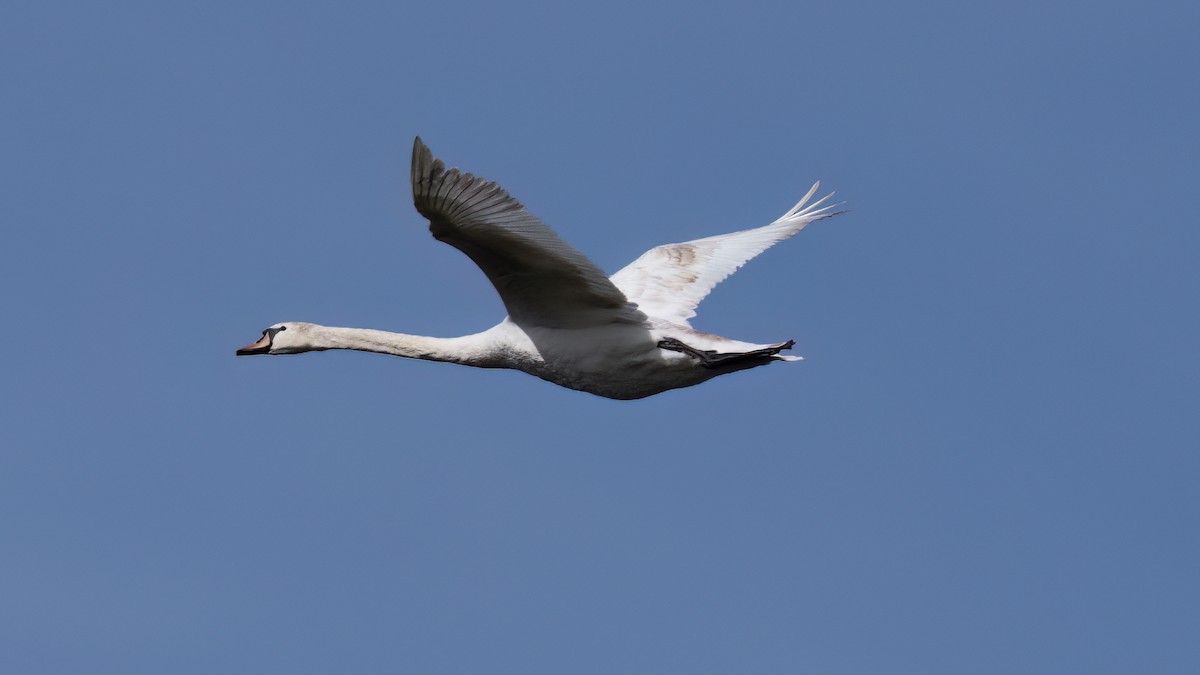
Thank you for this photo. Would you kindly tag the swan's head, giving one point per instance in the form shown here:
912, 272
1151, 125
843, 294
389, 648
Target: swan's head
291, 337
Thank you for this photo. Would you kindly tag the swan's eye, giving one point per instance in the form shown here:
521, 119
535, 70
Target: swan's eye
281, 329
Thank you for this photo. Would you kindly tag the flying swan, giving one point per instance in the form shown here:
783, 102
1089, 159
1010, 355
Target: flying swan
625, 337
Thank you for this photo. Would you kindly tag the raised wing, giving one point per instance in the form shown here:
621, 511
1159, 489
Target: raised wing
669, 281
541, 279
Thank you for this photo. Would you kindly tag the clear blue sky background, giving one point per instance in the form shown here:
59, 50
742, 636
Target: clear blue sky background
987, 464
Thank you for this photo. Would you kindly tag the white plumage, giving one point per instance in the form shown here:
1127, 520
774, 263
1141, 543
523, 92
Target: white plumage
669, 281
622, 337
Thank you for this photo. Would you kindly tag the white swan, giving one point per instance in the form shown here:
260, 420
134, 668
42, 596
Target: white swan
623, 337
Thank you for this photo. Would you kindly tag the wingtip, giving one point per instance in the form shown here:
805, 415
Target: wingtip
814, 211
420, 150
803, 200
424, 165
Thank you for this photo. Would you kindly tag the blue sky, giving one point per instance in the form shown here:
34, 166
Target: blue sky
987, 462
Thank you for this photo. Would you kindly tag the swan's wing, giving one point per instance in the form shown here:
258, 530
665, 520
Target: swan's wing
542, 280
669, 281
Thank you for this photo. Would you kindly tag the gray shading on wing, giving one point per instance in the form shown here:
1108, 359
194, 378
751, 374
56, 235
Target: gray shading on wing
540, 278
669, 281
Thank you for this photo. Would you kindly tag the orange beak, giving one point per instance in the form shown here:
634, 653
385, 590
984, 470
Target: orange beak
263, 346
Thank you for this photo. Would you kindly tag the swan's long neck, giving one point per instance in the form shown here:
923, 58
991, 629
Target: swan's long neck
472, 350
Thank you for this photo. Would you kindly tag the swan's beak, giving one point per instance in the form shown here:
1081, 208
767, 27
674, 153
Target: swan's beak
263, 346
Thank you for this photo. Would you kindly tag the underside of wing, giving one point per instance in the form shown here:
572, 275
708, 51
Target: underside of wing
540, 278
669, 281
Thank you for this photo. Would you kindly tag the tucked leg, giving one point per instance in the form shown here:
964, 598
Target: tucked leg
711, 359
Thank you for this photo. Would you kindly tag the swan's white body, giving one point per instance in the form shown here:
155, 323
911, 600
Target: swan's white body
624, 337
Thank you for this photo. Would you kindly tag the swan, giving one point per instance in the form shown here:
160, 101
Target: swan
623, 337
